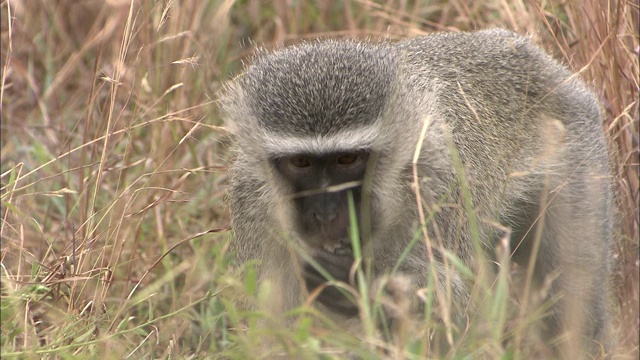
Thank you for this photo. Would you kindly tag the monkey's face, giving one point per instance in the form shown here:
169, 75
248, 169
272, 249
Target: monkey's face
320, 186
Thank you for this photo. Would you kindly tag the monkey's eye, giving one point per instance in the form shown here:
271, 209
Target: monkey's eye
300, 161
348, 159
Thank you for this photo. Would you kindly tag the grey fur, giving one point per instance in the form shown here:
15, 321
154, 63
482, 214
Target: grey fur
524, 127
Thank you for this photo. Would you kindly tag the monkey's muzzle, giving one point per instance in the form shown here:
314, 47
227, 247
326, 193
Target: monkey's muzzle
339, 249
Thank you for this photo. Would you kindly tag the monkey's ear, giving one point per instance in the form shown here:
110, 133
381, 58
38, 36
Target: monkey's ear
233, 108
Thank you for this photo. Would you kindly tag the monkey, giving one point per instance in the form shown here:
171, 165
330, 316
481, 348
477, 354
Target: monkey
439, 137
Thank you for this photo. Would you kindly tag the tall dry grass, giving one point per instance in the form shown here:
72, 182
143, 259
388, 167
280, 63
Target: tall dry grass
114, 233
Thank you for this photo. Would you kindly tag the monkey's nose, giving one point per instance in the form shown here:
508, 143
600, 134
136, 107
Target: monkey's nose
325, 217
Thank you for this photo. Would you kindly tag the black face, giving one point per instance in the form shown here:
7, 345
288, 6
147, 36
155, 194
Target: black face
321, 184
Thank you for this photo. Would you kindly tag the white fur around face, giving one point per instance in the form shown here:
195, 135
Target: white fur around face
347, 140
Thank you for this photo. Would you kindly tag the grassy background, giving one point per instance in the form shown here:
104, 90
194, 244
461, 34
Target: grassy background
114, 232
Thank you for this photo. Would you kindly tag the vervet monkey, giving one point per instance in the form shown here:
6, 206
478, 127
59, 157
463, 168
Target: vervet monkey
493, 131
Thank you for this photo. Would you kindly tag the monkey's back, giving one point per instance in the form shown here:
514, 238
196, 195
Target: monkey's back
498, 80
510, 108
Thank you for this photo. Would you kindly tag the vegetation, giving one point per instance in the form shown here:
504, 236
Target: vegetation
114, 230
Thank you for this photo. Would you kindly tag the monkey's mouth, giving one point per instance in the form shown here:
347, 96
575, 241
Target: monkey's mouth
339, 249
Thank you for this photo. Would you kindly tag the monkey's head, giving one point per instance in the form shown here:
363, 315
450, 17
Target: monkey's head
316, 116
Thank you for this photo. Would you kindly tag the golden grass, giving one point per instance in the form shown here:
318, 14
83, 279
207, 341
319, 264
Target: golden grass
114, 233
